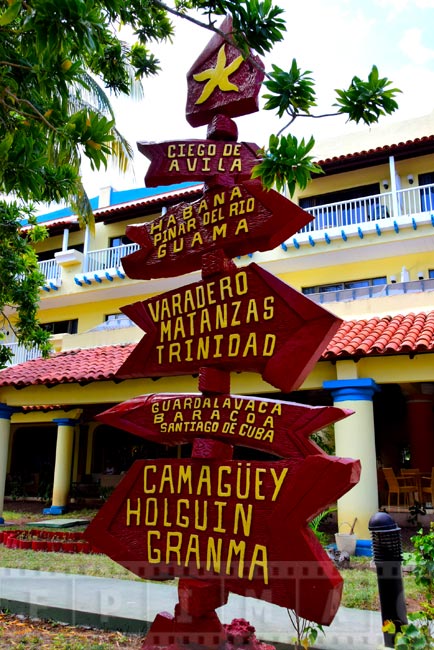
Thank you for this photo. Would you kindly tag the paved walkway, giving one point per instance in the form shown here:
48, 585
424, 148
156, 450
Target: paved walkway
132, 606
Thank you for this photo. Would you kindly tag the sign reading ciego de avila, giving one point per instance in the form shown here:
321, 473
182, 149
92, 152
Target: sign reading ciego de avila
176, 162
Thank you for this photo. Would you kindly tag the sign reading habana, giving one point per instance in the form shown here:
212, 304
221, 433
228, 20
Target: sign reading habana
239, 220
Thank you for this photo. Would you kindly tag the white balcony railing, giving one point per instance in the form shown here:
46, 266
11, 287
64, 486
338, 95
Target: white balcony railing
108, 258
377, 291
50, 269
21, 354
409, 201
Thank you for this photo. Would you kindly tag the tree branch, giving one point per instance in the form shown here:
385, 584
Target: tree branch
212, 28
33, 108
16, 65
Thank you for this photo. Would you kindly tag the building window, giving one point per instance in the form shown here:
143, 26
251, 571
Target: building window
431, 273
61, 326
340, 286
426, 182
122, 240
113, 321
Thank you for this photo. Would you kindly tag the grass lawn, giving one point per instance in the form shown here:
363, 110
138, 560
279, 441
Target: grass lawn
360, 580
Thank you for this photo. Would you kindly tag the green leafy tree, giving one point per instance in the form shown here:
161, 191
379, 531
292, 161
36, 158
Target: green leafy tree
57, 60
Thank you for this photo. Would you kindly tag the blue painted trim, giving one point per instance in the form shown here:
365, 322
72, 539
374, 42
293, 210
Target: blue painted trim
378, 229
284, 246
55, 510
295, 242
97, 278
7, 411
45, 288
86, 279
432, 219
53, 286
359, 230
65, 421
311, 241
344, 235
77, 281
120, 275
413, 221
327, 238
250, 255
108, 276
124, 196
396, 227
353, 390
2, 521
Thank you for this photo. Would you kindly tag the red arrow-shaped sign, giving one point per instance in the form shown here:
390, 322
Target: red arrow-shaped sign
239, 220
244, 524
244, 320
198, 160
272, 426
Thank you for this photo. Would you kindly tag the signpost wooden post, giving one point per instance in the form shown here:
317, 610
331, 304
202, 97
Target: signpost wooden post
217, 524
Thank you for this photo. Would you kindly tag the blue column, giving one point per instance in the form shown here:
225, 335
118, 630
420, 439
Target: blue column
5, 430
355, 438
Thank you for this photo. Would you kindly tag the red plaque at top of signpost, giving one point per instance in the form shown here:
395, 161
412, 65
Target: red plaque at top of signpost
221, 81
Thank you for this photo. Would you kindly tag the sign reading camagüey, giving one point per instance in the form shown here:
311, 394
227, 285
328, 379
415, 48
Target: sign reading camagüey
236, 522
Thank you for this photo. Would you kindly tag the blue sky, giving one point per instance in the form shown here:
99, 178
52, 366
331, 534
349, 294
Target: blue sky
335, 40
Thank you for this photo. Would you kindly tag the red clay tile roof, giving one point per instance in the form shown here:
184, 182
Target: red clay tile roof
390, 335
378, 155
81, 366
409, 334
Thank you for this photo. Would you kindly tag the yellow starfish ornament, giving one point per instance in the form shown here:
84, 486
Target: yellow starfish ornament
218, 77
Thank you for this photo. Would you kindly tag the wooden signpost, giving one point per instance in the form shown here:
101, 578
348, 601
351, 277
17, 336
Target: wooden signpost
217, 524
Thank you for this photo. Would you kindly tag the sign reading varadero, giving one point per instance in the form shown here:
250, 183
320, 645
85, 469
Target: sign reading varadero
220, 524
245, 320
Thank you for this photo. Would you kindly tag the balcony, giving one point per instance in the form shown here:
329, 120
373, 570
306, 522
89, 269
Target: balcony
389, 205
21, 354
107, 258
375, 291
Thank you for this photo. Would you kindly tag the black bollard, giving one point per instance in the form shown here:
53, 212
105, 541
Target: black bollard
387, 551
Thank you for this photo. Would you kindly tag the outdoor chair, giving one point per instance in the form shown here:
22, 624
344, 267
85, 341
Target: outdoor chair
400, 486
413, 476
428, 489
